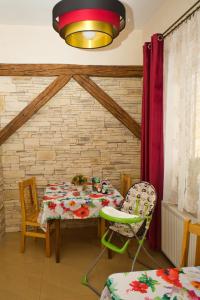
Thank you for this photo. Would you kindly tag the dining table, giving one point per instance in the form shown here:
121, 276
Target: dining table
66, 201
161, 284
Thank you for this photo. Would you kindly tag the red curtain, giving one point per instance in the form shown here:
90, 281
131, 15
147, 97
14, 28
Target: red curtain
152, 162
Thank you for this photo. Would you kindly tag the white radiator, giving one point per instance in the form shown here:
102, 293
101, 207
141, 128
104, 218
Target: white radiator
172, 234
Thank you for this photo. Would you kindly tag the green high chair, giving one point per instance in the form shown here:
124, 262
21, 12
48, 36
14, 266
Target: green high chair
132, 220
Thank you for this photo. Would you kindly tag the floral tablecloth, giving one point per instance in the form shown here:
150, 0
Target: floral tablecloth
66, 201
164, 284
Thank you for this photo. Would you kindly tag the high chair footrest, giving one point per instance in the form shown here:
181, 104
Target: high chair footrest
84, 280
113, 247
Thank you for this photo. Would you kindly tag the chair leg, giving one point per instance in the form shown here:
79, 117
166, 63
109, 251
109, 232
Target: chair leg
99, 228
110, 254
57, 222
48, 241
185, 243
35, 238
102, 227
197, 256
23, 242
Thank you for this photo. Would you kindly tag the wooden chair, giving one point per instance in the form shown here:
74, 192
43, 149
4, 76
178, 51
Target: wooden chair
30, 211
126, 182
188, 229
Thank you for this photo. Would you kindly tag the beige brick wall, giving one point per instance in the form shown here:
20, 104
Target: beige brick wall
2, 212
71, 134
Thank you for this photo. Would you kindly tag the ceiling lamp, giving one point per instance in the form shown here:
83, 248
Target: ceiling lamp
89, 24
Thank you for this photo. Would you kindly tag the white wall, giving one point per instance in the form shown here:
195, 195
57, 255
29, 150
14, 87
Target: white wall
168, 13
32, 44
40, 44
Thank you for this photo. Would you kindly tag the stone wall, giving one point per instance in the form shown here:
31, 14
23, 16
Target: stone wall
71, 134
2, 213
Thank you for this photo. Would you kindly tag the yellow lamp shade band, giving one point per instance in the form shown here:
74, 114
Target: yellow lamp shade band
88, 34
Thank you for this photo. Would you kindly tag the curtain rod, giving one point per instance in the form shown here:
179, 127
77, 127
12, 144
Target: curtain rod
182, 19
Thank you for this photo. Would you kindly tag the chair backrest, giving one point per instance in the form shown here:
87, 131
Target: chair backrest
28, 197
188, 229
126, 182
140, 199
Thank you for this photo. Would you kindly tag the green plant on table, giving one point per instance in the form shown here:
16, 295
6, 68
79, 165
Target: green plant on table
79, 180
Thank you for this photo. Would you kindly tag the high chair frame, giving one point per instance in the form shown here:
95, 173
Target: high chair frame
139, 220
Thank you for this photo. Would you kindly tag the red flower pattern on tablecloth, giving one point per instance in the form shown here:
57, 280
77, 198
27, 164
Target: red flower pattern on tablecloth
105, 202
139, 286
96, 196
115, 202
65, 209
82, 212
53, 188
170, 276
192, 295
47, 198
52, 205
76, 194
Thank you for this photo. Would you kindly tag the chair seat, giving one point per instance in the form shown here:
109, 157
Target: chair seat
125, 230
157, 284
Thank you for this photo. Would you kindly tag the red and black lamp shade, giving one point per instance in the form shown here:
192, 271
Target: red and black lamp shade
89, 24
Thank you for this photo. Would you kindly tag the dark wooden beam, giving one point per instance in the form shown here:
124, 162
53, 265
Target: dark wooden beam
33, 107
61, 69
106, 101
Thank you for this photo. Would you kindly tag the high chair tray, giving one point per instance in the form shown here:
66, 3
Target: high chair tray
111, 214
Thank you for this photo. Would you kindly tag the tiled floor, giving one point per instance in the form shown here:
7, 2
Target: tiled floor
32, 276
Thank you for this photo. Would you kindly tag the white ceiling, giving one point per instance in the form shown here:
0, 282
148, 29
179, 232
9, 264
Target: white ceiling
38, 12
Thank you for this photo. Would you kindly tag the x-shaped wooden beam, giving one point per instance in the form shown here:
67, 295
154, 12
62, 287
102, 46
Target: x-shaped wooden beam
88, 84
